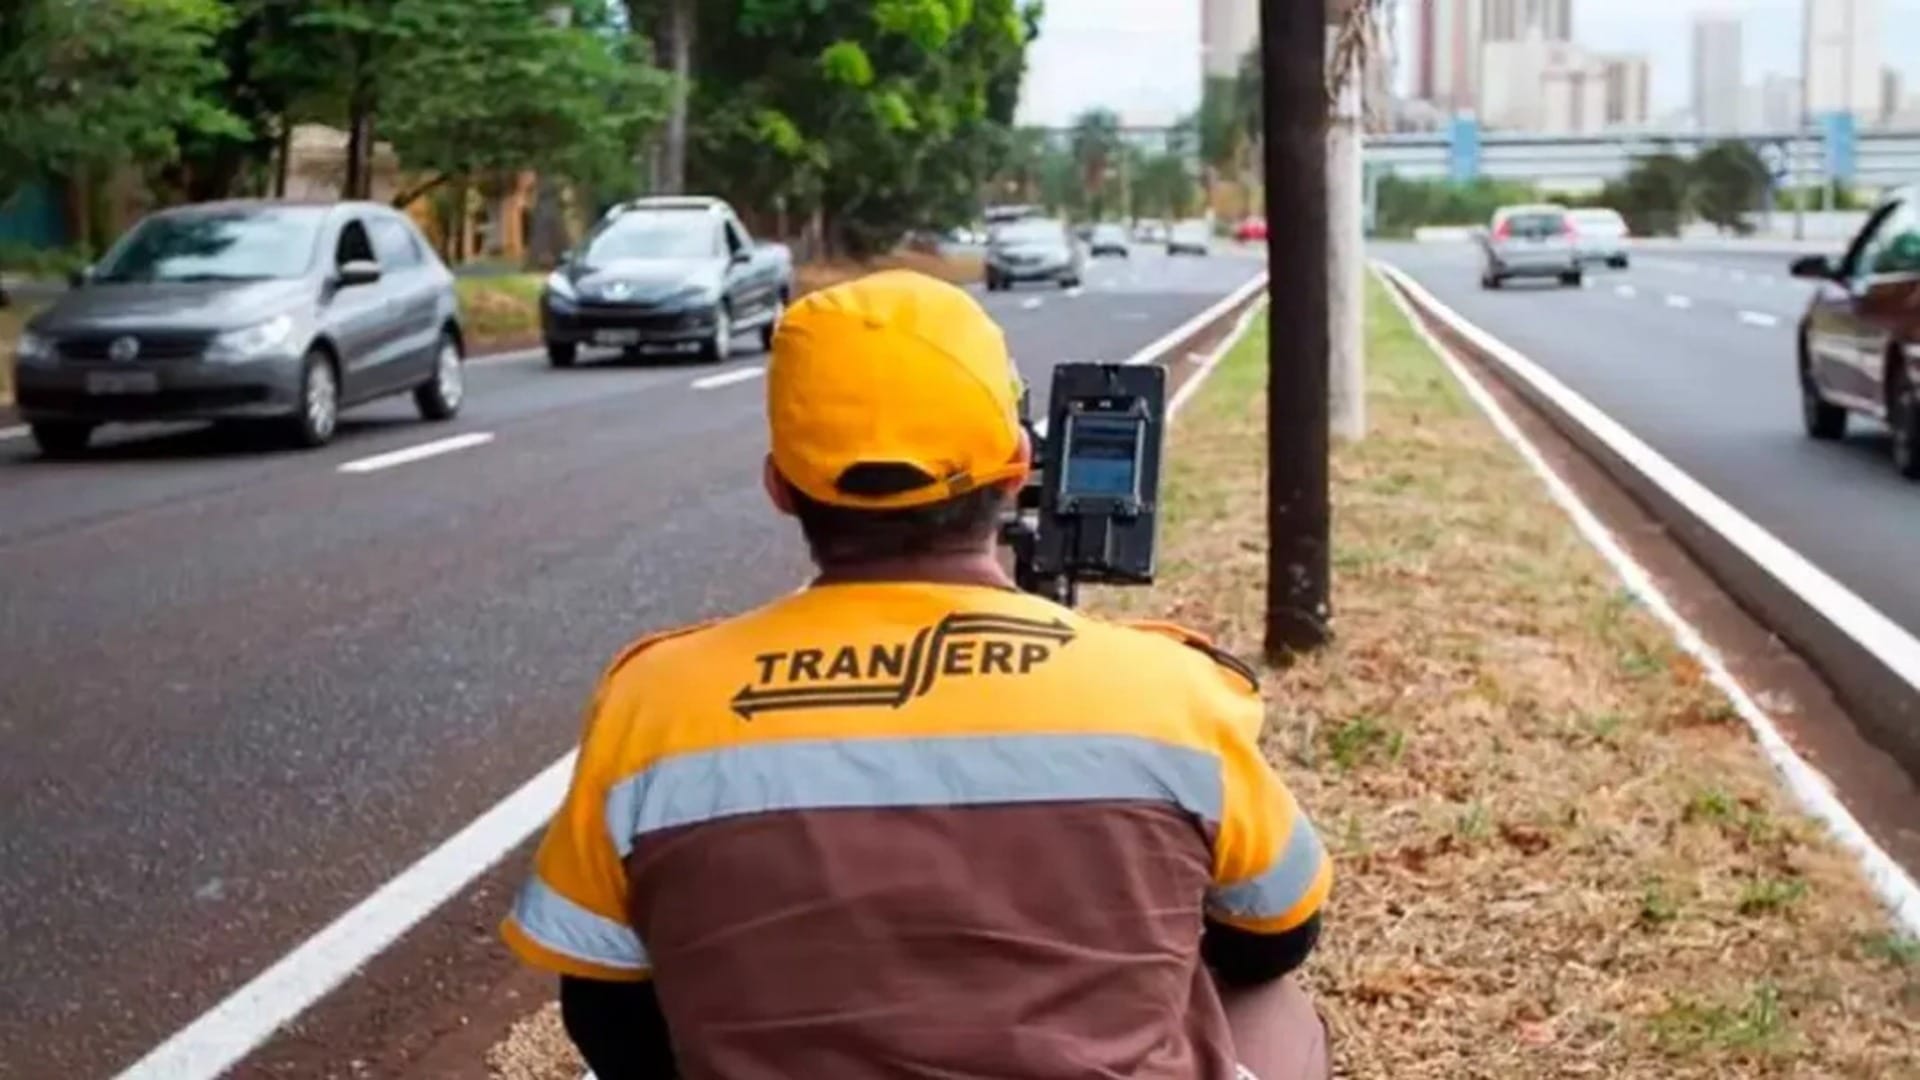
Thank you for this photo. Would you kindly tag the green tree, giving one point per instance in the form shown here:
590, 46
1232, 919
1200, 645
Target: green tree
90, 86
1164, 187
504, 87
1728, 181
867, 117
1097, 147
1654, 194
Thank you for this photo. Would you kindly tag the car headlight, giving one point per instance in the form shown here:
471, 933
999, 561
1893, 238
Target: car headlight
251, 342
558, 285
31, 348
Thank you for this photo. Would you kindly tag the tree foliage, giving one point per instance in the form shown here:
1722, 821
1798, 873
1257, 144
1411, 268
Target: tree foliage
1729, 180
90, 85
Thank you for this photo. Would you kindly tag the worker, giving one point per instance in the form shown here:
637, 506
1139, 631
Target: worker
909, 821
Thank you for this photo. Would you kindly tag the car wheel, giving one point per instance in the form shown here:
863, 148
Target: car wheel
1903, 420
319, 409
773, 325
1489, 281
1572, 280
61, 438
1822, 420
439, 397
561, 354
1618, 262
719, 347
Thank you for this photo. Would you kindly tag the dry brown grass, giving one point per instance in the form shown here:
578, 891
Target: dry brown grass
12, 319
959, 269
1558, 851
536, 1049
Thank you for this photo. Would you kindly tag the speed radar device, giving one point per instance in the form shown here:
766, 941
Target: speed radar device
1088, 511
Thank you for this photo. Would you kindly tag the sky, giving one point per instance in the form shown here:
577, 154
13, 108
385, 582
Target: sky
1142, 57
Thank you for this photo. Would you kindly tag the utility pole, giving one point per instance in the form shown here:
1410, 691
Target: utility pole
1806, 111
1293, 58
1346, 261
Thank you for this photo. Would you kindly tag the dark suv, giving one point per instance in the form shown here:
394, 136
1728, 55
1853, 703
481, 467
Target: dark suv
245, 311
1860, 339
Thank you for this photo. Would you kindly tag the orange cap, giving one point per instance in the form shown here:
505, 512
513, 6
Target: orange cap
892, 369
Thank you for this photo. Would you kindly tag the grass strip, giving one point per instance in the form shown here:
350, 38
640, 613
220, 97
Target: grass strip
1559, 852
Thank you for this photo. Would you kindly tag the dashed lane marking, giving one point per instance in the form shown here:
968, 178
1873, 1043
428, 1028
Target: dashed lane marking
1681, 302
728, 378
417, 453
1759, 318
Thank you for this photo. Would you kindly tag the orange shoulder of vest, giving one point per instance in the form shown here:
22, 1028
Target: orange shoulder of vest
1194, 639
634, 649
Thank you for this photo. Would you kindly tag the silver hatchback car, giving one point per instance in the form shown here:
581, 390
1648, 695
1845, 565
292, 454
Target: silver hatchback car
1530, 241
245, 311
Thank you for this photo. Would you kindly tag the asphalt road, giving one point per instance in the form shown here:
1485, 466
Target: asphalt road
240, 688
1693, 352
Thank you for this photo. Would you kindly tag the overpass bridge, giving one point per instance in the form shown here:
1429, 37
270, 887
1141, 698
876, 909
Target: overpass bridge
1464, 151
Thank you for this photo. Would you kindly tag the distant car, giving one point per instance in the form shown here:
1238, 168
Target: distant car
1190, 236
1034, 249
1530, 241
1109, 239
1250, 229
243, 311
1149, 231
1859, 342
672, 275
1601, 236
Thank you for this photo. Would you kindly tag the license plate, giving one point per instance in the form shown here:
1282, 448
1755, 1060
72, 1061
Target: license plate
616, 337
122, 382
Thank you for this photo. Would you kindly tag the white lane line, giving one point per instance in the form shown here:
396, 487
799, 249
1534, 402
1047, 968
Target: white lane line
417, 453
229, 1031
1627, 291
1759, 318
1876, 633
1186, 329
1764, 279
1031, 303
728, 378
14, 432
1074, 293
1676, 301
247, 1017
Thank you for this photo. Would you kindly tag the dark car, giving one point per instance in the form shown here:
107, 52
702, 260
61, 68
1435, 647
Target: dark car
671, 275
1033, 249
1860, 339
1109, 239
244, 311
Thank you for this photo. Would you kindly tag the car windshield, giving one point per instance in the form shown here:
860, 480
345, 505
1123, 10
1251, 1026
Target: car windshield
1032, 231
238, 245
1190, 230
670, 235
1109, 232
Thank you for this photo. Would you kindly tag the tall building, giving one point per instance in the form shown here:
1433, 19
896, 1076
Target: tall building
1779, 103
1446, 54
1573, 92
1716, 72
1843, 57
1892, 95
1229, 29
1511, 20
1628, 81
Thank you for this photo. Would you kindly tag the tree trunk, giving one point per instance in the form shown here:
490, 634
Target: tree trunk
282, 158
676, 38
547, 236
80, 202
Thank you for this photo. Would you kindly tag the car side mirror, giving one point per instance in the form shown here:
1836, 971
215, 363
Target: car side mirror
1818, 267
78, 278
357, 272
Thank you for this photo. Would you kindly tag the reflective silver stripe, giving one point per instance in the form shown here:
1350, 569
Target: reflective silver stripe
565, 927
1281, 888
871, 773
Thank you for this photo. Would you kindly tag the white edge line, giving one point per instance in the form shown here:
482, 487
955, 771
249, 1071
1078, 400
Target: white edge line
225, 1034
728, 378
1675, 301
228, 1032
1626, 290
1896, 888
1759, 318
421, 452
1152, 350
14, 432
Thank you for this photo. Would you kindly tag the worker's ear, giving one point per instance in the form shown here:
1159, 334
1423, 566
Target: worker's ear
779, 492
1024, 455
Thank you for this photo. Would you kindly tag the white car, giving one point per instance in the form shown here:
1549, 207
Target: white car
1600, 235
1532, 241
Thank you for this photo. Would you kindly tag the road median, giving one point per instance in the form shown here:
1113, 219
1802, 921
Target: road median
1559, 850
